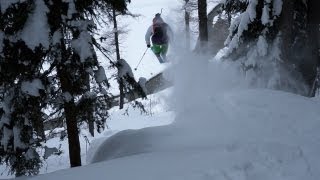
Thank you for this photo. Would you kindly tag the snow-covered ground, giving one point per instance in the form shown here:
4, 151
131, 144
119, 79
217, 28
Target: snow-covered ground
244, 134
222, 130
157, 113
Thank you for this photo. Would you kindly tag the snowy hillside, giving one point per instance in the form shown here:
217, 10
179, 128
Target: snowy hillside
222, 130
247, 134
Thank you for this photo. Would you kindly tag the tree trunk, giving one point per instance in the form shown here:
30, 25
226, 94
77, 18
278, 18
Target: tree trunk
286, 24
70, 112
295, 49
116, 33
73, 134
203, 23
314, 36
89, 113
72, 126
217, 33
314, 24
116, 39
38, 122
187, 25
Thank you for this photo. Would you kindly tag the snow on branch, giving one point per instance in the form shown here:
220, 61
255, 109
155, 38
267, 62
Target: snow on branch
124, 69
32, 87
83, 45
241, 22
100, 75
5, 4
36, 30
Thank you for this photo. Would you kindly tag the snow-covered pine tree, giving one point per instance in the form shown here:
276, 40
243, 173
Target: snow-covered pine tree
263, 34
125, 78
23, 46
72, 25
47, 59
129, 88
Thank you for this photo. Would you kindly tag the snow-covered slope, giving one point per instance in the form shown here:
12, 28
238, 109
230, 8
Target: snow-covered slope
222, 130
247, 134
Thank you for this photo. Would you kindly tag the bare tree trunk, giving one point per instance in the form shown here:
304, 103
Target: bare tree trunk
314, 23
286, 29
89, 109
73, 134
203, 23
116, 39
70, 112
314, 38
72, 127
296, 47
38, 123
187, 24
116, 33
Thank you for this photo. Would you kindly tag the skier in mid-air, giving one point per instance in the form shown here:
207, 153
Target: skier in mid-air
160, 34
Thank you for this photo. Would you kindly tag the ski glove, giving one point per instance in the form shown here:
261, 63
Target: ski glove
148, 45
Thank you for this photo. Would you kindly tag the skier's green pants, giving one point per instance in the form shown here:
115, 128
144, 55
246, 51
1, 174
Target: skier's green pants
160, 51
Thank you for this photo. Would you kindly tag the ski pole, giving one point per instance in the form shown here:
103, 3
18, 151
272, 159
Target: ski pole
141, 58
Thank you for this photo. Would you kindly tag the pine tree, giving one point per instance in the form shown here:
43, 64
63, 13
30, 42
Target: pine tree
47, 59
265, 36
23, 86
117, 46
128, 87
76, 61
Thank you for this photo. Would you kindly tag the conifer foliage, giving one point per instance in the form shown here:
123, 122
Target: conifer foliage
266, 37
48, 61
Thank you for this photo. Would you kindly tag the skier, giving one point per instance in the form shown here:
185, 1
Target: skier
160, 34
